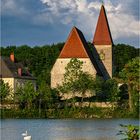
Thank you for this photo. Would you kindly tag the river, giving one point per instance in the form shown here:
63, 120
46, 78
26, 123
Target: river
63, 129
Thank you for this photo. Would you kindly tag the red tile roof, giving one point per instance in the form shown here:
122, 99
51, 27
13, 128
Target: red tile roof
102, 34
74, 46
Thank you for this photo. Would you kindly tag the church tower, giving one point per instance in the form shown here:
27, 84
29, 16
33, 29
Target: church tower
103, 41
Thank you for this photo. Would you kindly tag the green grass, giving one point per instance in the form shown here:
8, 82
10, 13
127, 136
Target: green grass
68, 112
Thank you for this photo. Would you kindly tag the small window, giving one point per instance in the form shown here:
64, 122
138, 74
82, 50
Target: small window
102, 55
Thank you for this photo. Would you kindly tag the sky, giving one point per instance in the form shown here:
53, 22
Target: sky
41, 22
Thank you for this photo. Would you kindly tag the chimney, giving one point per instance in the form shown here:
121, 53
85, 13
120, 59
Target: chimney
20, 71
12, 57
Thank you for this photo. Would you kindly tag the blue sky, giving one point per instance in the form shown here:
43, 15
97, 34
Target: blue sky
40, 22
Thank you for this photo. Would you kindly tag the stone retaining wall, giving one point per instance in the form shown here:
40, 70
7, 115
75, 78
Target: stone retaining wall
8, 106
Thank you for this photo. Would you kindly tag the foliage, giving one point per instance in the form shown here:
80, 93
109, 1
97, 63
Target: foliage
130, 75
75, 80
130, 131
122, 54
4, 90
46, 96
110, 87
26, 95
107, 90
73, 70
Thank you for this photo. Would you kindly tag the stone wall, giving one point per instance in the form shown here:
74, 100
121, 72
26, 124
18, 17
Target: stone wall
9, 106
58, 70
95, 104
107, 51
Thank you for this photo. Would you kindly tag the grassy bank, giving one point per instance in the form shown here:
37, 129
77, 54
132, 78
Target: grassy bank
95, 112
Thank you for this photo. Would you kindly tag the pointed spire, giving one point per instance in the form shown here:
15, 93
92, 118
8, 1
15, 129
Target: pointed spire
102, 2
75, 45
102, 34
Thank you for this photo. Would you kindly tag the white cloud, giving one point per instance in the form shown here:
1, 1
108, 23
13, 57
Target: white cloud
122, 15
12, 7
84, 15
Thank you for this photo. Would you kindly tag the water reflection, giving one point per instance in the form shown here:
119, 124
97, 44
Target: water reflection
96, 129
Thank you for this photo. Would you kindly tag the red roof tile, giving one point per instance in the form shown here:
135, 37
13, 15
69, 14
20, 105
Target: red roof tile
102, 34
74, 46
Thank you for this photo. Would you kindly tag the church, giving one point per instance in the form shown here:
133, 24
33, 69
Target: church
96, 62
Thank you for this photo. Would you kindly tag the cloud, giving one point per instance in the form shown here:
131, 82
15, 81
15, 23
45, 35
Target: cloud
121, 22
12, 8
61, 15
84, 15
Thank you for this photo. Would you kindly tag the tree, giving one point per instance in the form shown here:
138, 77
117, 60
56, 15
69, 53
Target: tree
107, 90
84, 84
111, 89
130, 131
122, 54
44, 95
76, 81
73, 70
26, 95
4, 90
130, 75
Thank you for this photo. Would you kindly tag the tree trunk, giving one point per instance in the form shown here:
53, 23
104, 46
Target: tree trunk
83, 93
130, 98
39, 108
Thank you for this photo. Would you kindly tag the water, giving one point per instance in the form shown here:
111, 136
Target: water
71, 129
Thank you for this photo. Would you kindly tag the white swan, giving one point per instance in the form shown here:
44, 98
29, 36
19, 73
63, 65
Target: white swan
25, 134
26, 137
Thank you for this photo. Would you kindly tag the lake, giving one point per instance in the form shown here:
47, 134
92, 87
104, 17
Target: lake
63, 129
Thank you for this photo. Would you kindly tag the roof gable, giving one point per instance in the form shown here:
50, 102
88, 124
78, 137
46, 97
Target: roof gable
75, 46
102, 34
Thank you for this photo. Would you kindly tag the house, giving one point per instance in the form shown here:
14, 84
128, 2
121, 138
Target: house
14, 73
97, 62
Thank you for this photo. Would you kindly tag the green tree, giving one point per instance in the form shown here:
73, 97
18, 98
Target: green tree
26, 95
110, 87
122, 54
107, 90
44, 95
76, 81
130, 75
85, 84
73, 70
4, 90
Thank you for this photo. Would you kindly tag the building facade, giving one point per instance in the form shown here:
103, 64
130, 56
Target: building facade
14, 73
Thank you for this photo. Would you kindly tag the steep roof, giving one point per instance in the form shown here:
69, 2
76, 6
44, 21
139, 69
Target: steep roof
102, 34
75, 46
9, 69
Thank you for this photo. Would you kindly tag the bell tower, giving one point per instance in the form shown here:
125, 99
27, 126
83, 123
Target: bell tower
102, 41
